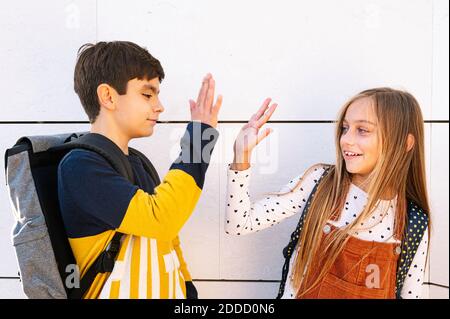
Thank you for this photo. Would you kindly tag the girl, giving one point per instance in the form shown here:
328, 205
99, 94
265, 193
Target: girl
363, 222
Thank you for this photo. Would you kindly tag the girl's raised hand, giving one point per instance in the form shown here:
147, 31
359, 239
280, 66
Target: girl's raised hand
251, 135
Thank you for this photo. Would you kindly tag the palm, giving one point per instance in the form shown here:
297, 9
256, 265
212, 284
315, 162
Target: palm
203, 110
249, 136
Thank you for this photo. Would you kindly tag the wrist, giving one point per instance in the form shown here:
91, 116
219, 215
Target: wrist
239, 166
212, 124
241, 161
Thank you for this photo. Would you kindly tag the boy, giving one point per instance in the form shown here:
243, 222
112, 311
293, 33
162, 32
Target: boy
118, 86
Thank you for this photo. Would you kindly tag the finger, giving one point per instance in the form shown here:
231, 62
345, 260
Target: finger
210, 95
263, 135
218, 105
203, 90
266, 116
263, 108
204, 81
192, 104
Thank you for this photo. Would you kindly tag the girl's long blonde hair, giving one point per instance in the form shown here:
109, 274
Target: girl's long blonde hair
398, 114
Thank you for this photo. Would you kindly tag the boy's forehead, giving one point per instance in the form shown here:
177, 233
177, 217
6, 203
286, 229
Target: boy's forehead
152, 84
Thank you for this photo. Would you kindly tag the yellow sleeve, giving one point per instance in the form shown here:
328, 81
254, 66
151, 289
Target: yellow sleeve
162, 214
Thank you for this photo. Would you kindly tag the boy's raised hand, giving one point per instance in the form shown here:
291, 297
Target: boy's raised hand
250, 136
203, 110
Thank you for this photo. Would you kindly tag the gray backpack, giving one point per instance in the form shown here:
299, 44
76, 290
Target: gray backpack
46, 263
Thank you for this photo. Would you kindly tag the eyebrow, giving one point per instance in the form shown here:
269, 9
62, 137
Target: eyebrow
362, 121
151, 87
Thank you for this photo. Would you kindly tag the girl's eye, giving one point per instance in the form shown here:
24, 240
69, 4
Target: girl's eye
362, 130
344, 128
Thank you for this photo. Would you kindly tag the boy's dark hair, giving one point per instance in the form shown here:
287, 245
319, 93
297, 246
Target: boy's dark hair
113, 63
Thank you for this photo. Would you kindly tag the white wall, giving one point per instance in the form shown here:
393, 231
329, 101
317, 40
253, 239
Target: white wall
310, 56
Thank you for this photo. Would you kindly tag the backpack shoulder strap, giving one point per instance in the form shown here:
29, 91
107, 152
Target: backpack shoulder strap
117, 159
414, 231
148, 166
104, 263
103, 146
288, 250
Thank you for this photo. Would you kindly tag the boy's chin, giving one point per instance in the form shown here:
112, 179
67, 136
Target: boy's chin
146, 133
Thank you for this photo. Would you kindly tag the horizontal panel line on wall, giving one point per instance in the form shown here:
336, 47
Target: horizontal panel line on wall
250, 280
203, 280
221, 122
236, 280
277, 281
437, 285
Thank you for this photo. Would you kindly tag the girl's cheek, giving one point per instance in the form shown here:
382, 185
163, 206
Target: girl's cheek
370, 143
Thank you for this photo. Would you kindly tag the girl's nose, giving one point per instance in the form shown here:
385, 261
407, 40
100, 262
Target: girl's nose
348, 138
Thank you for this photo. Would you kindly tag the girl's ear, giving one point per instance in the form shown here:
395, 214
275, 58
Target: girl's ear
106, 96
409, 142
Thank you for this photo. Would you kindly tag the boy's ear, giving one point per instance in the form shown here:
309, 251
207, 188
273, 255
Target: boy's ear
106, 96
409, 142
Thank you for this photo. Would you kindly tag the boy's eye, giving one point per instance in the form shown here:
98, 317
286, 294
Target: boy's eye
147, 95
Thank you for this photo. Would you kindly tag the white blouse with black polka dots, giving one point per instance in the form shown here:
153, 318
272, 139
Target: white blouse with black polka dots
244, 217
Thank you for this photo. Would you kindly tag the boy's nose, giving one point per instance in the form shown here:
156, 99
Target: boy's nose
159, 108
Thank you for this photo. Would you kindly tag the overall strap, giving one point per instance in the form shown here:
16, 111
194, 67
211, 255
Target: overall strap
289, 249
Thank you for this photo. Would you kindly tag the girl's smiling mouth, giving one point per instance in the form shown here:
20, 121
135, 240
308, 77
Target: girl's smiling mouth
351, 155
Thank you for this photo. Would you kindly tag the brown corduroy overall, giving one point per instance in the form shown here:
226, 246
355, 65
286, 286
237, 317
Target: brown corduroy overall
356, 271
